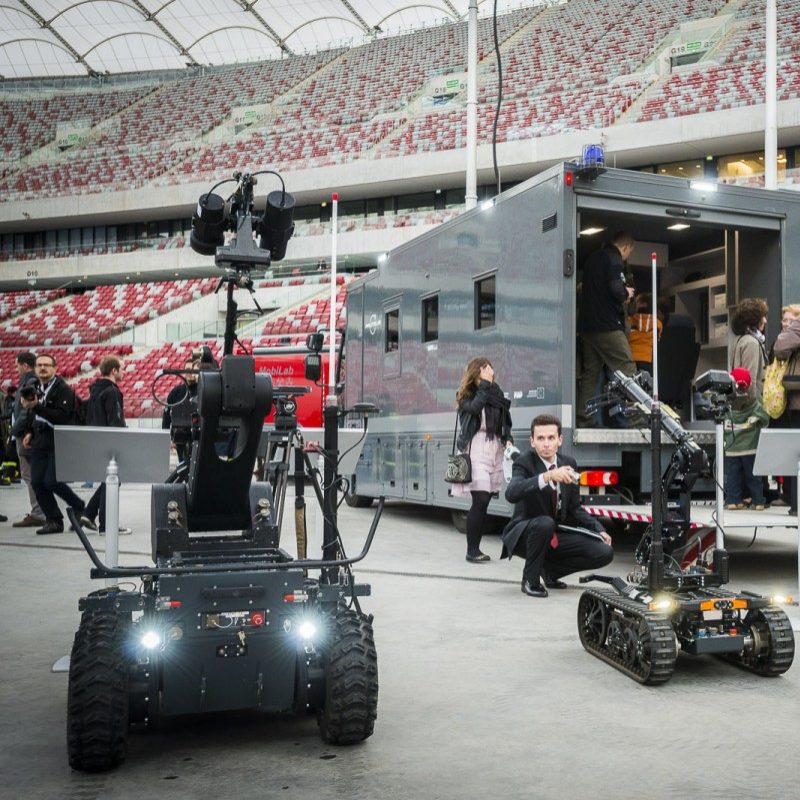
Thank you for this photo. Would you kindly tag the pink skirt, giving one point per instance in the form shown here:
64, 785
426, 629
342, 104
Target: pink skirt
487, 467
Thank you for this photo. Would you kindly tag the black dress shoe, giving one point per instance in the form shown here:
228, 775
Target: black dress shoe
554, 583
480, 558
533, 591
51, 526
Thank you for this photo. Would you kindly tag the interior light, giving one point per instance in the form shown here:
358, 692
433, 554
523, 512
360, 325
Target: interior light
678, 226
590, 231
703, 186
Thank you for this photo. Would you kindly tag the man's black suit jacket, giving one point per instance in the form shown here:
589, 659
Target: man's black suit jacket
530, 501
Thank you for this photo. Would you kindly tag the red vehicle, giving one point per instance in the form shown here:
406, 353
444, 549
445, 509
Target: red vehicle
286, 367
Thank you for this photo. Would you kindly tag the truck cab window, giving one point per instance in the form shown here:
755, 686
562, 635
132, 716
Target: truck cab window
485, 303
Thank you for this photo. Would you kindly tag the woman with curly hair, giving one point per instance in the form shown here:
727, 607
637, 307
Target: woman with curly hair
485, 428
749, 352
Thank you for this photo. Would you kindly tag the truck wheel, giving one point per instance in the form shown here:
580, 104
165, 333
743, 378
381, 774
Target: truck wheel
97, 704
358, 500
459, 519
350, 703
494, 525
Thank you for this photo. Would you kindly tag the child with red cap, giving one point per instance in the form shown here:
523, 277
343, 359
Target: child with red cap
741, 429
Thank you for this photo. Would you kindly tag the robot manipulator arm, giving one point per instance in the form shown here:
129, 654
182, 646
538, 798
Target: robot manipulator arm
632, 395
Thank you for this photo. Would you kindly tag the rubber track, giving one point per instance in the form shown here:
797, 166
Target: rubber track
97, 706
781, 654
351, 695
663, 650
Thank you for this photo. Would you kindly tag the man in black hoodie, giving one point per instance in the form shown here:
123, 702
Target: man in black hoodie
51, 403
604, 342
104, 409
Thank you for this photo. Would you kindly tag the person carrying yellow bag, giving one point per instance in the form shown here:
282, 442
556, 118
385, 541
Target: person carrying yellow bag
786, 348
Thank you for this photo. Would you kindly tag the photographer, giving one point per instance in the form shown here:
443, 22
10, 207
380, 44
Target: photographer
26, 363
51, 403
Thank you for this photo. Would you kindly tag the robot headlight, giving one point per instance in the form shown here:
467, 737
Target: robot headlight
151, 640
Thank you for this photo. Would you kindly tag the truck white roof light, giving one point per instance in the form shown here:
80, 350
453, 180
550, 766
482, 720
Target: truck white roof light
678, 226
590, 231
703, 186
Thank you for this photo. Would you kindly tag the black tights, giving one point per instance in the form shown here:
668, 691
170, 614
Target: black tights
476, 518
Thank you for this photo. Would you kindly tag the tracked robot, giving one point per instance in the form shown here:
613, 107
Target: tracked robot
637, 625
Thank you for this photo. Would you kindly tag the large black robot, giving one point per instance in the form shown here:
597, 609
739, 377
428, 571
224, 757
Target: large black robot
226, 619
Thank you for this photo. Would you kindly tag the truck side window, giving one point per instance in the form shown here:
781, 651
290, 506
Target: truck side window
392, 328
485, 303
430, 319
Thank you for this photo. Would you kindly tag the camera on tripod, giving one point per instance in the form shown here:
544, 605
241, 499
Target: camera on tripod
718, 389
31, 393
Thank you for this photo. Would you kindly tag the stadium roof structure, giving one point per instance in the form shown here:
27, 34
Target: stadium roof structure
62, 38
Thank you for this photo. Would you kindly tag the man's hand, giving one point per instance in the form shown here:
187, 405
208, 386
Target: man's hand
27, 439
606, 537
29, 403
562, 475
631, 291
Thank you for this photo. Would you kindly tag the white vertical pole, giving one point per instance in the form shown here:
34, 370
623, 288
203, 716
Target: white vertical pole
112, 517
654, 314
472, 105
797, 596
332, 322
771, 100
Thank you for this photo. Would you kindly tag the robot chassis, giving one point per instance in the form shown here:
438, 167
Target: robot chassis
232, 621
638, 624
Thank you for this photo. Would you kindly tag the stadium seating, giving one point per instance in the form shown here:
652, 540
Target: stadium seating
15, 303
100, 313
566, 66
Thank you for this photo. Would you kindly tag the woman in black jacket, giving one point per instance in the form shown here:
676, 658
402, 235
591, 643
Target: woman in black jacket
485, 428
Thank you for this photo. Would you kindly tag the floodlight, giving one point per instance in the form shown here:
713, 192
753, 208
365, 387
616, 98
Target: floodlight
208, 225
277, 227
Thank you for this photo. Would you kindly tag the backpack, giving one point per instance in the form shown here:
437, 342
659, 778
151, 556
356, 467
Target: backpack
774, 394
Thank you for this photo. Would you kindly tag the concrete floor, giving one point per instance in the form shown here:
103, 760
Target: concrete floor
483, 691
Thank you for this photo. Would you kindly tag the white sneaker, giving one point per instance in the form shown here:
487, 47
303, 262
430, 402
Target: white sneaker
122, 532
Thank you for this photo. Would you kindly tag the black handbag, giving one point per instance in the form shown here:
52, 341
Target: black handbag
459, 465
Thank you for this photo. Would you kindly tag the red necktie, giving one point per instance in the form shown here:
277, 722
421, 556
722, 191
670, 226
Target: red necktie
554, 490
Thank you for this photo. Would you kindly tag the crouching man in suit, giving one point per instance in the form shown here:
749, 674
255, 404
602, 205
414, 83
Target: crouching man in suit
544, 490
